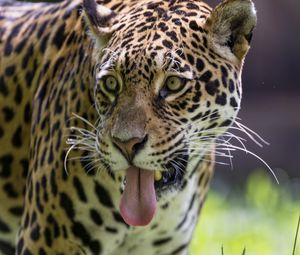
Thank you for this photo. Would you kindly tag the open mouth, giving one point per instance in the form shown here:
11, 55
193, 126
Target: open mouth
172, 177
139, 199
163, 181
167, 179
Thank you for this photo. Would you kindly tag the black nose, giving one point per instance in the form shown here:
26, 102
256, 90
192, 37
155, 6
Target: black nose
130, 147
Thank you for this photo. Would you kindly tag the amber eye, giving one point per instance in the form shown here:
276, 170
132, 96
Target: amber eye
174, 84
110, 84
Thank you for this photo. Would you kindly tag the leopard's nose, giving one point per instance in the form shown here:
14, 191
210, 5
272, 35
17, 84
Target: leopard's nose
130, 147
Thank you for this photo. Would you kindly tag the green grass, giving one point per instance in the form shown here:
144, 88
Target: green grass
261, 220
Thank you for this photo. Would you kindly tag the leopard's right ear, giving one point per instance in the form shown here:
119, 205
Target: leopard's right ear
99, 19
230, 27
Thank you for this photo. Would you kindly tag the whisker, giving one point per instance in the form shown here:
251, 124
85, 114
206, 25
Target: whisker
210, 161
229, 155
177, 166
83, 131
256, 156
82, 139
84, 120
251, 131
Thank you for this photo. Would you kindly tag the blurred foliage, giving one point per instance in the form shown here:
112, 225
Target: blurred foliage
262, 219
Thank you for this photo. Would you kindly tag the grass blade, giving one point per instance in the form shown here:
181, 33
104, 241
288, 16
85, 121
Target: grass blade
296, 237
244, 251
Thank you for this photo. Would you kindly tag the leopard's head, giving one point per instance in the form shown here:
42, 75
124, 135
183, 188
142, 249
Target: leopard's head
167, 84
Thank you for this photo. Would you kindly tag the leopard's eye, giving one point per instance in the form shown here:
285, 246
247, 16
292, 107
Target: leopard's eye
174, 84
110, 84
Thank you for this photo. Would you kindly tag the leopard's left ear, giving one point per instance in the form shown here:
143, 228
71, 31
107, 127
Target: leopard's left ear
230, 27
99, 19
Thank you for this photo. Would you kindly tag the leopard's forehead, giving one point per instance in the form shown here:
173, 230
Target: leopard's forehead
153, 35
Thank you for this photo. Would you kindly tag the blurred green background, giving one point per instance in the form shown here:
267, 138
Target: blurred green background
261, 217
245, 207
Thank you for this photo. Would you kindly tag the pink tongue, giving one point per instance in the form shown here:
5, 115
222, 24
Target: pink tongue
138, 202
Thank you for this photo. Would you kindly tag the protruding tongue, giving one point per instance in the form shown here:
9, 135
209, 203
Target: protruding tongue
138, 202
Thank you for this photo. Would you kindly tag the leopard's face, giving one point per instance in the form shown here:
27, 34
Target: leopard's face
163, 95
166, 86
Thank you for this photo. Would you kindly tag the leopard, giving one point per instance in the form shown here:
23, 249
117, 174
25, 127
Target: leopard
110, 112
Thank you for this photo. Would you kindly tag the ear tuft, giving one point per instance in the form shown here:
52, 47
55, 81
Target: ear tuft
231, 25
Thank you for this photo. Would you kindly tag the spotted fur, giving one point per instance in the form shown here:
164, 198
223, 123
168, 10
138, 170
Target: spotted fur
61, 169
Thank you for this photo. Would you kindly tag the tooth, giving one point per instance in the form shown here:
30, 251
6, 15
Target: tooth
157, 175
